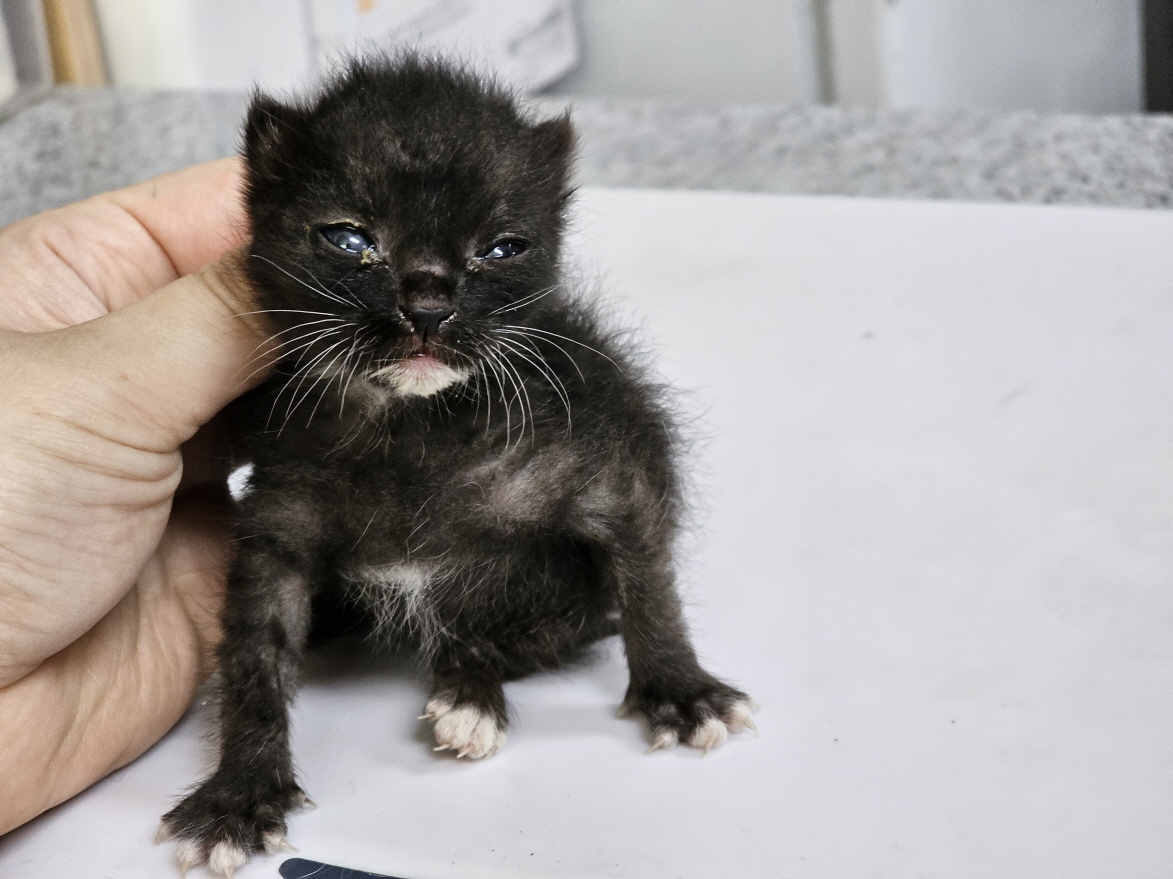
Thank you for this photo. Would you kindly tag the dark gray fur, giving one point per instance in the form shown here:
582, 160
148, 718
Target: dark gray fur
536, 503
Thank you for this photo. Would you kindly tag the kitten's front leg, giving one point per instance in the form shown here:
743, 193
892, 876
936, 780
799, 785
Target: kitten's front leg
680, 701
241, 808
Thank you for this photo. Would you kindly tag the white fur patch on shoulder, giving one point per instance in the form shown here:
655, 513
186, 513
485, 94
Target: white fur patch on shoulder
465, 729
410, 379
225, 858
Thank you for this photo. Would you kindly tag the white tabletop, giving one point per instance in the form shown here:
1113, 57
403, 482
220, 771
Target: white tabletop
935, 543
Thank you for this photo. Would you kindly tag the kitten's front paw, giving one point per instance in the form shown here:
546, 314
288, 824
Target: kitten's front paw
700, 716
467, 729
222, 825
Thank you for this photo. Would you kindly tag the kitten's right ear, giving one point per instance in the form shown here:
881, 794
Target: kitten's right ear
270, 132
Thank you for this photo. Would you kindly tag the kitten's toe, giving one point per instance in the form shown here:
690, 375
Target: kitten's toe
664, 740
225, 858
275, 841
467, 729
739, 716
710, 734
188, 854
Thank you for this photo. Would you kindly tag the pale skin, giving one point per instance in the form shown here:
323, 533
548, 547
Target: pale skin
121, 338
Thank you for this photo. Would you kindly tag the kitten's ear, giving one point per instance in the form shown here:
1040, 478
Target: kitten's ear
270, 131
557, 141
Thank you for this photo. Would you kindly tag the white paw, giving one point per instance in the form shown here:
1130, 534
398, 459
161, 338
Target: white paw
225, 858
714, 731
464, 729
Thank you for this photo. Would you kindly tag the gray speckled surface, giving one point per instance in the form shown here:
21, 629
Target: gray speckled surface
78, 142
978, 156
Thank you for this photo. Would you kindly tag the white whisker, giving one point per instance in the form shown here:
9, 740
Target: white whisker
545, 371
321, 291
516, 331
521, 303
565, 339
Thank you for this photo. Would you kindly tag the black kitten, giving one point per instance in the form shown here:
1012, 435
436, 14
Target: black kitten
451, 449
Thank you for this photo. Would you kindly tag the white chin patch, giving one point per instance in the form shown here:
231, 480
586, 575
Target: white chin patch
419, 376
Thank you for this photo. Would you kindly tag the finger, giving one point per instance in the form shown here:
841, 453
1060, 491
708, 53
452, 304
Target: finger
108, 696
76, 263
193, 216
158, 370
95, 415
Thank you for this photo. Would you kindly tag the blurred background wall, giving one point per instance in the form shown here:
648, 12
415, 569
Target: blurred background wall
1095, 56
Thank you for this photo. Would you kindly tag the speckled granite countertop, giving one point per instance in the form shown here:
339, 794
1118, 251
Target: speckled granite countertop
74, 143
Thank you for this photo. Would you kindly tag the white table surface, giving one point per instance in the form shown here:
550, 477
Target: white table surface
936, 545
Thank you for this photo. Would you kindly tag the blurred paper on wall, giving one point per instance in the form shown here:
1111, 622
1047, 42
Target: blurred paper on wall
528, 43
7, 68
285, 45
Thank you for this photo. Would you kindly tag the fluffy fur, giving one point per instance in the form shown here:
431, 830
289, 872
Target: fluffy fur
452, 452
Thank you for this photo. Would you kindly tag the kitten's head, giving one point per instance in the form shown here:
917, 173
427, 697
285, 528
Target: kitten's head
401, 218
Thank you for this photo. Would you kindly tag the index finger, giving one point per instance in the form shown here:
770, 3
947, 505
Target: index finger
194, 215
79, 262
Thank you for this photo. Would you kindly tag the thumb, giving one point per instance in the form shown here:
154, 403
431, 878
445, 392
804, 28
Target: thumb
149, 375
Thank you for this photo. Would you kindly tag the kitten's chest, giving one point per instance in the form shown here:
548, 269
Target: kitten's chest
405, 504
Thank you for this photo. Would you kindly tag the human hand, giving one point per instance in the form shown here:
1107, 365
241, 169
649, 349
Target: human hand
120, 339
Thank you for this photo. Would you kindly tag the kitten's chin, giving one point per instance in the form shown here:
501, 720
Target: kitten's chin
419, 376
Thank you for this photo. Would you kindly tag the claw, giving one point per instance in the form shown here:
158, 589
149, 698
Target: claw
741, 716
275, 841
709, 734
188, 855
664, 741
225, 858
440, 748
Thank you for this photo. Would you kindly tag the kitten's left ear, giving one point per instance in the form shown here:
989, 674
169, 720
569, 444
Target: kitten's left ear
557, 141
270, 132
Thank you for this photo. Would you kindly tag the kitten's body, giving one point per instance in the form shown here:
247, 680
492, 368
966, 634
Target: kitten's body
452, 450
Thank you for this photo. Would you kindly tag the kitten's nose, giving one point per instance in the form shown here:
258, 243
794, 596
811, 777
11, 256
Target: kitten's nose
426, 321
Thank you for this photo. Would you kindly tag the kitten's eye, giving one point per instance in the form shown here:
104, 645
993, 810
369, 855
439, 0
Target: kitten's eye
505, 248
346, 237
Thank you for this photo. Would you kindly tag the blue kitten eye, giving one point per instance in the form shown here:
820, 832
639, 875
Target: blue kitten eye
505, 248
346, 237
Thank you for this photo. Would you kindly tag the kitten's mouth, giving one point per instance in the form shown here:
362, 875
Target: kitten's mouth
423, 359
423, 352
419, 373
